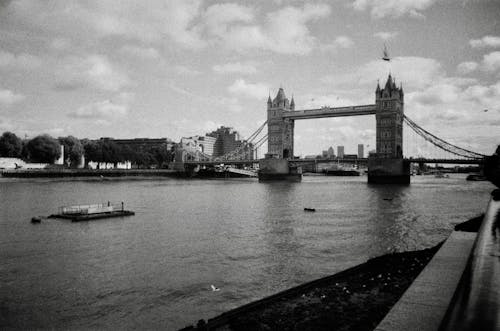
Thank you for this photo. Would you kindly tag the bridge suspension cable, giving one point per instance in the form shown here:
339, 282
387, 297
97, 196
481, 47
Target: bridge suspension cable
246, 143
442, 144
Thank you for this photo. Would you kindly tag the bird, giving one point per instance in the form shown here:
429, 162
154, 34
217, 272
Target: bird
214, 289
386, 54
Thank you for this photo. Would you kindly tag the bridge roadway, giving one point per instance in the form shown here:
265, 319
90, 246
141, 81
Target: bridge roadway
323, 160
330, 112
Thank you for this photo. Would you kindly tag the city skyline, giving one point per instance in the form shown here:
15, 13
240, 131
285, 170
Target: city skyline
184, 68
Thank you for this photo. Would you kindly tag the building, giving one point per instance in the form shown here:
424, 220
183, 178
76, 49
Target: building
340, 152
228, 140
331, 153
203, 144
361, 151
143, 143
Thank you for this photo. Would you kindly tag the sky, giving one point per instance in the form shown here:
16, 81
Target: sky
178, 68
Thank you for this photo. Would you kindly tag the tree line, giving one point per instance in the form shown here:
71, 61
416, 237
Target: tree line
46, 149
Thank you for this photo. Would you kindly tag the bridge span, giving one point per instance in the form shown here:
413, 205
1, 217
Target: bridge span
330, 112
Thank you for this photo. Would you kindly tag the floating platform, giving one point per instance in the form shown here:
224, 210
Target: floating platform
94, 216
79, 213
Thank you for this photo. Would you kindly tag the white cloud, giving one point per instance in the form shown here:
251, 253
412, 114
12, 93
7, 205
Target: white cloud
145, 53
186, 71
385, 36
339, 42
94, 71
393, 8
7, 97
413, 72
467, 67
486, 41
18, 61
242, 88
491, 62
106, 109
235, 67
284, 31
79, 20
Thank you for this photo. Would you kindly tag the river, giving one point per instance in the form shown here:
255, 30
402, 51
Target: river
154, 270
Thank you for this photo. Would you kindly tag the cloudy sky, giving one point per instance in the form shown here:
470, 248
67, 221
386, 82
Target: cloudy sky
184, 67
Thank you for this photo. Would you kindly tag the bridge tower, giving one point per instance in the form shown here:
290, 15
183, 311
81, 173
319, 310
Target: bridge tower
280, 130
387, 165
389, 103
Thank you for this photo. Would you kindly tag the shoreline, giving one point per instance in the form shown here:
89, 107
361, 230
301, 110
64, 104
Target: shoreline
354, 299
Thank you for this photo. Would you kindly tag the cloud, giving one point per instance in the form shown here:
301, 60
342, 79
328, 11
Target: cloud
242, 88
7, 97
393, 8
185, 71
385, 36
491, 62
284, 31
93, 71
22, 61
339, 42
76, 20
486, 41
235, 68
145, 53
106, 109
414, 72
465, 68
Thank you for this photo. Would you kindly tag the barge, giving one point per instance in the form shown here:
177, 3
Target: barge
79, 213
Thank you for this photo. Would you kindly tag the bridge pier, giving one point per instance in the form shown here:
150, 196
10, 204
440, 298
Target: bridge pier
271, 169
388, 171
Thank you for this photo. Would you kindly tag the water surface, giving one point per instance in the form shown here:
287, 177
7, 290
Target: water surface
154, 270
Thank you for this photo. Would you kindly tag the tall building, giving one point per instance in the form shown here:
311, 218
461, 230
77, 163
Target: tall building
361, 151
228, 140
331, 153
389, 117
340, 152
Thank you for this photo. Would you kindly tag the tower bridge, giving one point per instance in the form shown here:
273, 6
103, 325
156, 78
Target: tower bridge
386, 165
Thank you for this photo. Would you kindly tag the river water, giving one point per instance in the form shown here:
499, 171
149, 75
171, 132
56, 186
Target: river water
250, 239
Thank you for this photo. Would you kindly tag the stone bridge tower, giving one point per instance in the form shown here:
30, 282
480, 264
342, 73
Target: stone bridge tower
388, 165
389, 117
280, 130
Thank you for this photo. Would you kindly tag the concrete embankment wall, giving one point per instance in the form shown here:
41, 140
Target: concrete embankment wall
57, 173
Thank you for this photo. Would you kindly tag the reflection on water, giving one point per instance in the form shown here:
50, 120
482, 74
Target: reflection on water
154, 270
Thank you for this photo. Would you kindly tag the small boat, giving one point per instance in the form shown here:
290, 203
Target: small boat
309, 209
388, 199
36, 219
476, 178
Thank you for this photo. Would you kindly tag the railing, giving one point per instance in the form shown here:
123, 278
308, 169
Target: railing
90, 208
476, 303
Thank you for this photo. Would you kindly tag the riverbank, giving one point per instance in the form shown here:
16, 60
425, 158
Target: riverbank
62, 173
69, 173
355, 299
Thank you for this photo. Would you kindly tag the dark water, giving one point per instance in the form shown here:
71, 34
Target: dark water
154, 270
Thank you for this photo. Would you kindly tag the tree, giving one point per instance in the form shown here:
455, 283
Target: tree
73, 150
10, 145
43, 149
